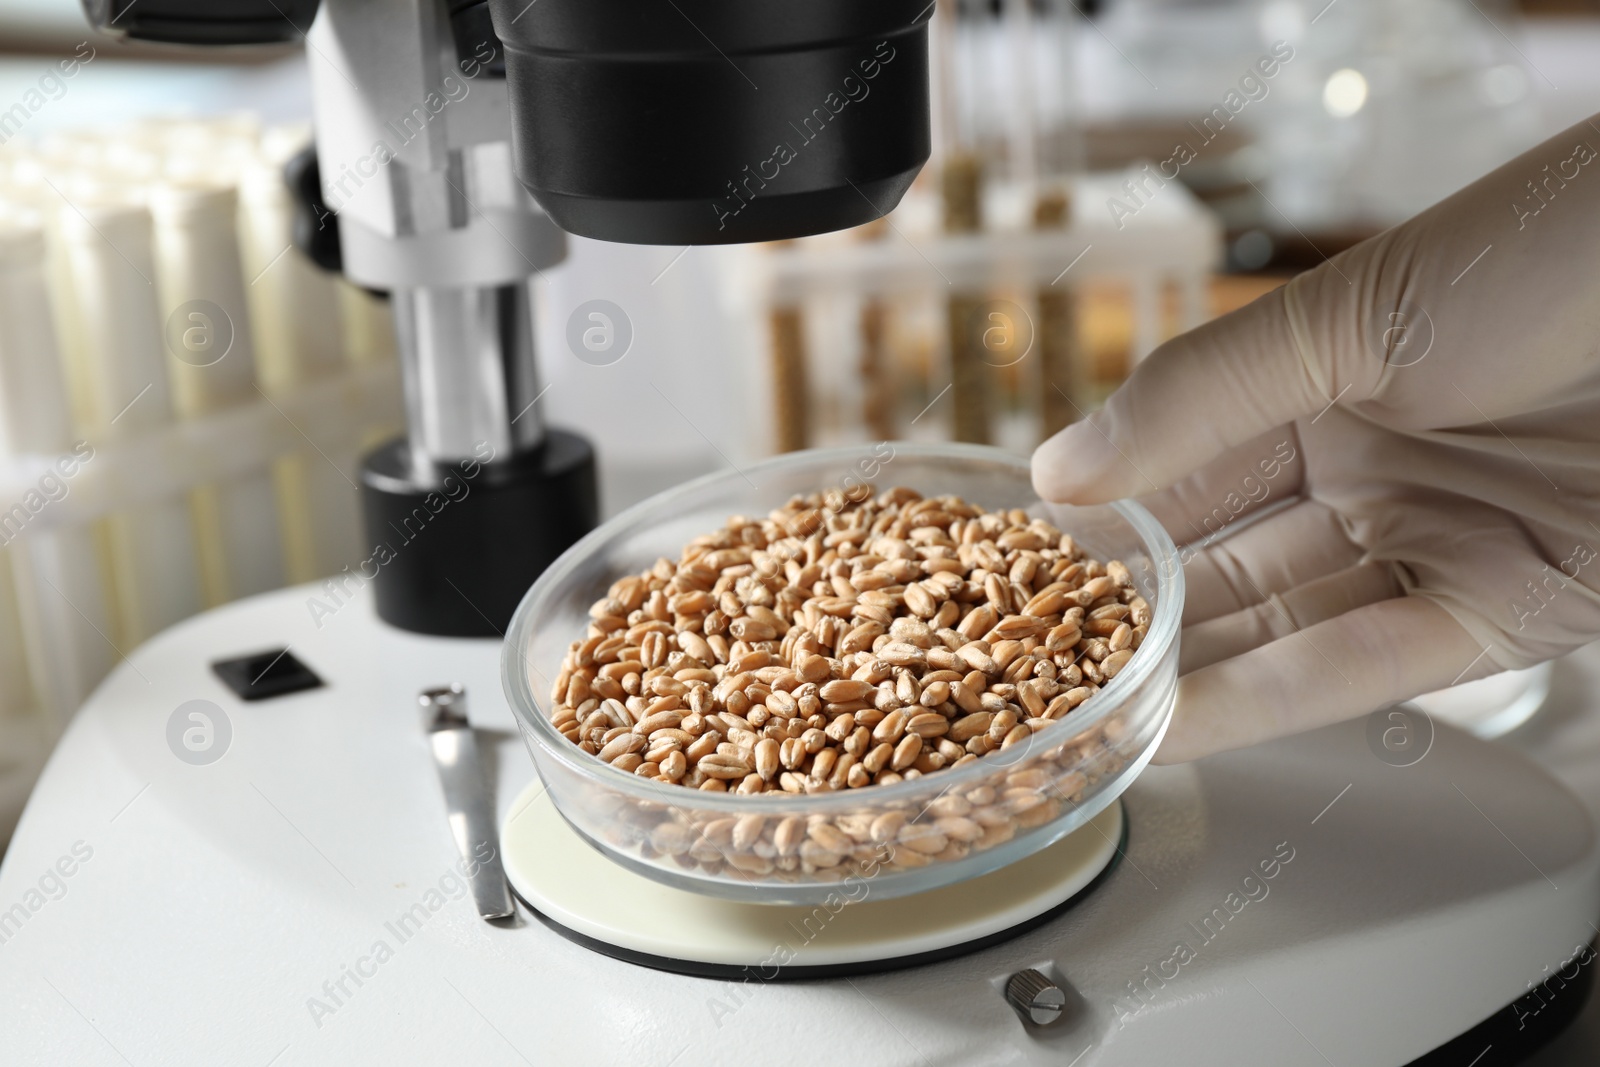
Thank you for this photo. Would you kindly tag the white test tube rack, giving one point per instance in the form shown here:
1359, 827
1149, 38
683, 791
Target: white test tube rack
1171, 241
89, 274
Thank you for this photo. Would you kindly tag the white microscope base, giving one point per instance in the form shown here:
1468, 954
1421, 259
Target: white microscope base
234, 911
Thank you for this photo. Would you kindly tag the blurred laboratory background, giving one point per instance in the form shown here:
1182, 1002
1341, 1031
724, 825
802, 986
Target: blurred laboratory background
1105, 175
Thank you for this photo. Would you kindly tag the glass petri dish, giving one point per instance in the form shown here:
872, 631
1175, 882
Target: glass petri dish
1031, 795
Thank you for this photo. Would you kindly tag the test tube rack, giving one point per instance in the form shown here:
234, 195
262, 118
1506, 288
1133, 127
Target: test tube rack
826, 299
183, 398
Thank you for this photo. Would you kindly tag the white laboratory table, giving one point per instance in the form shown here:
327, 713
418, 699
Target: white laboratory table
175, 913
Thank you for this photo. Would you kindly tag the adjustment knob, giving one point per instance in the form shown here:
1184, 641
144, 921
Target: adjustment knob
1035, 997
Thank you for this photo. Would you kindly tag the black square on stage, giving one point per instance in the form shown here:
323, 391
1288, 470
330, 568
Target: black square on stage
260, 675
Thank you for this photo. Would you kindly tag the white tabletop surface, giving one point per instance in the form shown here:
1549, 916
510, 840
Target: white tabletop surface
215, 901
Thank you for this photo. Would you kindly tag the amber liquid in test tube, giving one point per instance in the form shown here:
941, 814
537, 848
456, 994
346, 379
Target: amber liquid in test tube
962, 188
110, 295
1060, 355
877, 374
59, 583
212, 367
791, 385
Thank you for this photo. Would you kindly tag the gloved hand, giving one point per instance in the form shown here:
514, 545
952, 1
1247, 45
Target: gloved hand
1424, 412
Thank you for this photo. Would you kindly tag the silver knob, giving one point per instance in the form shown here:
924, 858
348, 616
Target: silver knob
443, 708
1035, 997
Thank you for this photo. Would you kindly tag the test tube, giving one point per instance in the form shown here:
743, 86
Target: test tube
877, 376
1057, 336
111, 297
368, 329
961, 189
368, 326
299, 340
16, 686
60, 585
211, 365
1049, 151
790, 386
17, 697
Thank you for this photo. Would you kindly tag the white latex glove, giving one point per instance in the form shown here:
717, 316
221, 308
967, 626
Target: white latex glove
1425, 407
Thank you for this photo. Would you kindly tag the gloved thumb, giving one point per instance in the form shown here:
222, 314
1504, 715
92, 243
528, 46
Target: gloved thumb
1193, 398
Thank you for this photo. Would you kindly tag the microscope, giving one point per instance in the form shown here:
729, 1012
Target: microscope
1440, 904
459, 141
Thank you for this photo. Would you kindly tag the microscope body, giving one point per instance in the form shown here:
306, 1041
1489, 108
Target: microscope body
443, 125
414, 151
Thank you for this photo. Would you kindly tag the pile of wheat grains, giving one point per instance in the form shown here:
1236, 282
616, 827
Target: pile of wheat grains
846, 641
838, 647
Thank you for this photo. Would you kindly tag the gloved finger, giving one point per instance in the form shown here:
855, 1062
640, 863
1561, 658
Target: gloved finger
1274, 554
1195, 397
1236, 485
1347, 666
1282, 614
